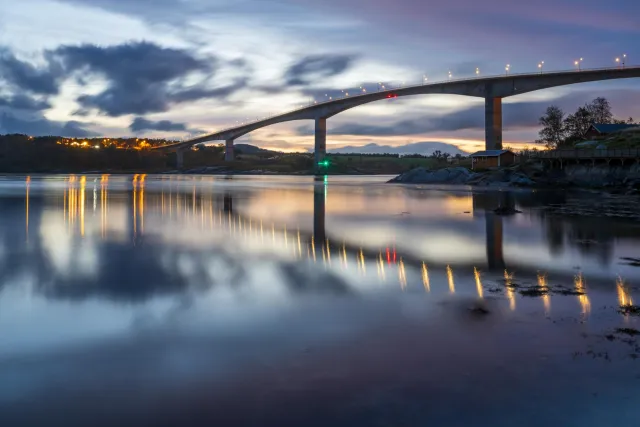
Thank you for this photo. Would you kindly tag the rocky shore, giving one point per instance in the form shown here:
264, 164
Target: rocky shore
622, 180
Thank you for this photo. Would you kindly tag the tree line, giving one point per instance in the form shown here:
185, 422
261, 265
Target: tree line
561, 130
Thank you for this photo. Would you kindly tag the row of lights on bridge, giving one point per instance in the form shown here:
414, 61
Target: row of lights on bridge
578, 63
620, 61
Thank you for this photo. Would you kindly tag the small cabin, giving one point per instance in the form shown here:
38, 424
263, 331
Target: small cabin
492, 159
599, 130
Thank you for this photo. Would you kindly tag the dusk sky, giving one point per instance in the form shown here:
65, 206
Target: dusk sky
174, 68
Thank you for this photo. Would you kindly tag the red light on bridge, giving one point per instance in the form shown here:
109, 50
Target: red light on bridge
392, 95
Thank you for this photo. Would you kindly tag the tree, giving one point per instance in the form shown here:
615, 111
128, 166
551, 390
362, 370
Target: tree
553, 132
600, 111
577, 124
629, 121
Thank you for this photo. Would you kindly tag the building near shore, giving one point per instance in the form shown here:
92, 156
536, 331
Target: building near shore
599, 129
492, 159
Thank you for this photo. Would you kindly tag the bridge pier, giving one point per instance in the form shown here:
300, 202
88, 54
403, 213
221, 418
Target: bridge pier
180, 159
320, 149
229, 155
493, 123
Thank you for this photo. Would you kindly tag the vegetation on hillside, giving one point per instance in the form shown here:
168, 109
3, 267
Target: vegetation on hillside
564, 131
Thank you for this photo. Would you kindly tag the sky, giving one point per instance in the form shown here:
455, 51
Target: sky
181, 68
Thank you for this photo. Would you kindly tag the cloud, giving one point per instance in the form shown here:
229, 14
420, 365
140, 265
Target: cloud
142, 77
24, 102
23, 76
313, 67
140, 124
41, 126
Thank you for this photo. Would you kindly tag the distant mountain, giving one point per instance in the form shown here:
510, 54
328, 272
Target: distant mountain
251, 149
425, 148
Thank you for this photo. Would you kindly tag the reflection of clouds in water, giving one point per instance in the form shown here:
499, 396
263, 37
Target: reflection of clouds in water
68, 254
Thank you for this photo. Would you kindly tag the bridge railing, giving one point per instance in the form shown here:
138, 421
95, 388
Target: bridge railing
423, 83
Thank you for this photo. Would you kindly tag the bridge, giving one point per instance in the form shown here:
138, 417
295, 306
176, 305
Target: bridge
492, 89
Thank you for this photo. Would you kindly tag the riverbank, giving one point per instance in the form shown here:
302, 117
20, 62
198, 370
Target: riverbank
613, 179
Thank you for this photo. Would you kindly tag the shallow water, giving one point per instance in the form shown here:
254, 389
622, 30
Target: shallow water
165, 300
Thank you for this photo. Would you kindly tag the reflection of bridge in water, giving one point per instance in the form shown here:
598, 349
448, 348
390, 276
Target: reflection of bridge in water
212, 211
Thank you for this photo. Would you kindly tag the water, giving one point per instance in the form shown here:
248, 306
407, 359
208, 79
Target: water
190, 300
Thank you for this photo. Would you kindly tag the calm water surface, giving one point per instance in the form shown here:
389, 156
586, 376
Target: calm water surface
190, 300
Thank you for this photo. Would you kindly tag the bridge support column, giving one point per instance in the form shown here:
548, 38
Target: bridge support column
320, 144
179, 159
229, 155
493, 123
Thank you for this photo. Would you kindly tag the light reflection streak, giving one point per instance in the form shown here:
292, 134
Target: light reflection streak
425, 278
361, 261
624, 296
452, 285
544, 286
344, 256
402, 275
476, 275
142, 183
511, 295
580, 286
28, 185
83, 185
380, 264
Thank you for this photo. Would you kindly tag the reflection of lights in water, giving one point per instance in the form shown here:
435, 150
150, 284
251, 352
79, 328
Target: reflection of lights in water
142, 179
452, 285
299, 244
328, 251
380, 263
543, 285
104, 183
344, 255
261, 232
286, 240
135, 205
83, 185
361, 261
580, 285
28, 184
402, 276
313, 247
511, 295
425, 278
624, 297
476, 274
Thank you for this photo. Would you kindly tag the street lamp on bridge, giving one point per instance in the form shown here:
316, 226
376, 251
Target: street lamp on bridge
477, 71
578, 64
450, 75
507, 68
424, 79
540, 65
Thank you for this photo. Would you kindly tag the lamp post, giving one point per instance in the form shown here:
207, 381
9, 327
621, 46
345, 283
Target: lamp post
450, 75
477, 71
578, 64
540, 65
507, 69
424, 79
624, 59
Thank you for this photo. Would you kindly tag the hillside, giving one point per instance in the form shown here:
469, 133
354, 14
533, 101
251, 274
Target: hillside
425, 148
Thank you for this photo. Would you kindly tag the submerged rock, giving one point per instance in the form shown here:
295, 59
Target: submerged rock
456, 175
461, 175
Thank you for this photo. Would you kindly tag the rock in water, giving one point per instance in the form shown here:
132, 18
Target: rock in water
457, 175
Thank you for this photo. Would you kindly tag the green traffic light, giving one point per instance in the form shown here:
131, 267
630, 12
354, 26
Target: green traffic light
324, 163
